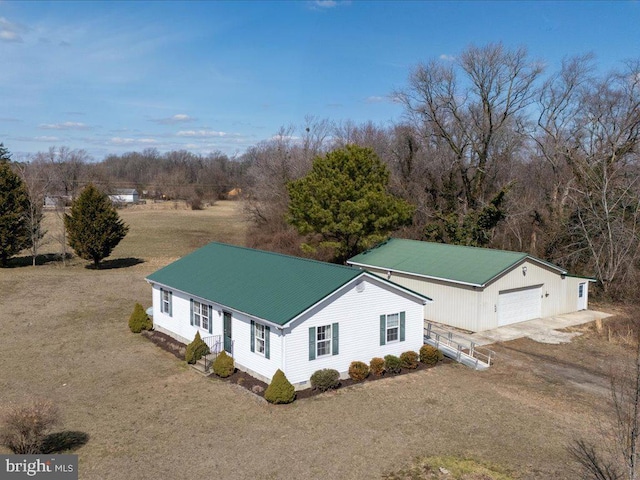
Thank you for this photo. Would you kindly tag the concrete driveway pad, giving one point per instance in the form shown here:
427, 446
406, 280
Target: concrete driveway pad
539, 329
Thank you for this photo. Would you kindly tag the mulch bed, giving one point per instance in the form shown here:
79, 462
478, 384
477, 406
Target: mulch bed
258, 387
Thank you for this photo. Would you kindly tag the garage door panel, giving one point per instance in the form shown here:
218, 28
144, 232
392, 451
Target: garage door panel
519, 305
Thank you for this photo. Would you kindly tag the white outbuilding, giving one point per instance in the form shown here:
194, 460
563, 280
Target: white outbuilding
124, 196
477, 289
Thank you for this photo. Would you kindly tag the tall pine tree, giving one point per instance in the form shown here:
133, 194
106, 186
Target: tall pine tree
14, 206
343, 203
94, 227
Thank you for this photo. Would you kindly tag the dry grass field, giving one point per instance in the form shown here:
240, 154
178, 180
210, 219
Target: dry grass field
148, 416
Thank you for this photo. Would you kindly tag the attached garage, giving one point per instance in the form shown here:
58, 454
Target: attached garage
477, 289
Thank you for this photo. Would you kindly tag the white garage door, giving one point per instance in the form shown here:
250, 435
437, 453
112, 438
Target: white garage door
519, 305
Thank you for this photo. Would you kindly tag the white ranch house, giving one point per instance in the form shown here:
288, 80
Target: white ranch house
273, 311
477, 289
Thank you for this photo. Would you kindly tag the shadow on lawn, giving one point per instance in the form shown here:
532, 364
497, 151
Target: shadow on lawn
66, 441
116, 263
27, 260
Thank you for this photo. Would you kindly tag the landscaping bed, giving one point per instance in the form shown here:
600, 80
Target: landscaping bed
258, 387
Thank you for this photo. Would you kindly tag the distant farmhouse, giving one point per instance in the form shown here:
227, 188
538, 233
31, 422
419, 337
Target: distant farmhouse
124, 196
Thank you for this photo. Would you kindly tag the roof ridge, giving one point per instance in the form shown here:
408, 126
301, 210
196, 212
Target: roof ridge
309, 260
471, 247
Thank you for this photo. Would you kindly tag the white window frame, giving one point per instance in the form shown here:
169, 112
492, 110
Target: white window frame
259, 338
324, 340
165, 302
390, 330
201, 315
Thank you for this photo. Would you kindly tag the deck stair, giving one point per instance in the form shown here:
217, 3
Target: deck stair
456, 346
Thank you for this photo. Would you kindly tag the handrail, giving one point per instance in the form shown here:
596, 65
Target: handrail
446, 338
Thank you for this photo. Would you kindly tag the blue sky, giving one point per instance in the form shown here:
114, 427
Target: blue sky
112, 77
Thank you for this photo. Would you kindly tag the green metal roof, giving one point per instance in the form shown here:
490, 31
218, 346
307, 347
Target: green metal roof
455, 263
267, 285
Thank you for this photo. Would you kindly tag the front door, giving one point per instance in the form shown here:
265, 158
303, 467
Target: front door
227, 333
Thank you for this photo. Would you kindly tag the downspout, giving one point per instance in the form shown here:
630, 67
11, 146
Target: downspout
282, 350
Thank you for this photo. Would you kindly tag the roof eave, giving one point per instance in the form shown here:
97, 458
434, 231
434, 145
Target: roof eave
223, 306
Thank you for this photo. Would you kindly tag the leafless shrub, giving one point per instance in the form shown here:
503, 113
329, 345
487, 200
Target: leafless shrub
25, 427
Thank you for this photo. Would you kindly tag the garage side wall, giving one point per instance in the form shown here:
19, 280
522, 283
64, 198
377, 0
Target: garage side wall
452, 305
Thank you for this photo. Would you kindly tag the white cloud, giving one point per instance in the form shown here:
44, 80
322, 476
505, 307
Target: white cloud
375, 99
46, 139
10, 32
201, 133
64, 126
178, 118
132, 141
326, 3
447, 58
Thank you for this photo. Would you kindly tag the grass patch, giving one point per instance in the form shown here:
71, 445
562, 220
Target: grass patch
449, 468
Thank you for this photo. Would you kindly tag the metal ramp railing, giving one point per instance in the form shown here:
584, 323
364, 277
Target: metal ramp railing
457, 347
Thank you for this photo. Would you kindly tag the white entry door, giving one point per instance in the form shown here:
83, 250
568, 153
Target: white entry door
519, 305
582, 296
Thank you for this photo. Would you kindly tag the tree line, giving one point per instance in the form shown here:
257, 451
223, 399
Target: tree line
492, 150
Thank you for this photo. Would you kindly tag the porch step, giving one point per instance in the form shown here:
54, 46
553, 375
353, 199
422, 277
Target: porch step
199, 367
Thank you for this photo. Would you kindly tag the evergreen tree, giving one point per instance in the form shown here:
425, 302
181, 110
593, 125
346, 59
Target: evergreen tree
14, 207
344, 201
94, 227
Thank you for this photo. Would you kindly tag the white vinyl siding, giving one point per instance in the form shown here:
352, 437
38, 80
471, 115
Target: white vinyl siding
178, 325
358, 316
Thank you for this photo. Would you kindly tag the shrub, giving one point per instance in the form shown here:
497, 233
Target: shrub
223, 365
358, 371
430, 355
409, 359
196, 350
325, 379
392, 364
24, 428
376, 366
280, 389
139, 320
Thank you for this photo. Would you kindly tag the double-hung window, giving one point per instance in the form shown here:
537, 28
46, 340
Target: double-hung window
201, 315
323, 341
197, 307
323, 345
392, 328
260, 338
165, 301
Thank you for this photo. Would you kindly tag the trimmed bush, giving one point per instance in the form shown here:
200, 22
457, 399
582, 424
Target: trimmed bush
196, 350
139, 320
392, 364
358, 371
376, 366
325, 379
430, 355
409, 359
280, 389
25, 428
223, 365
